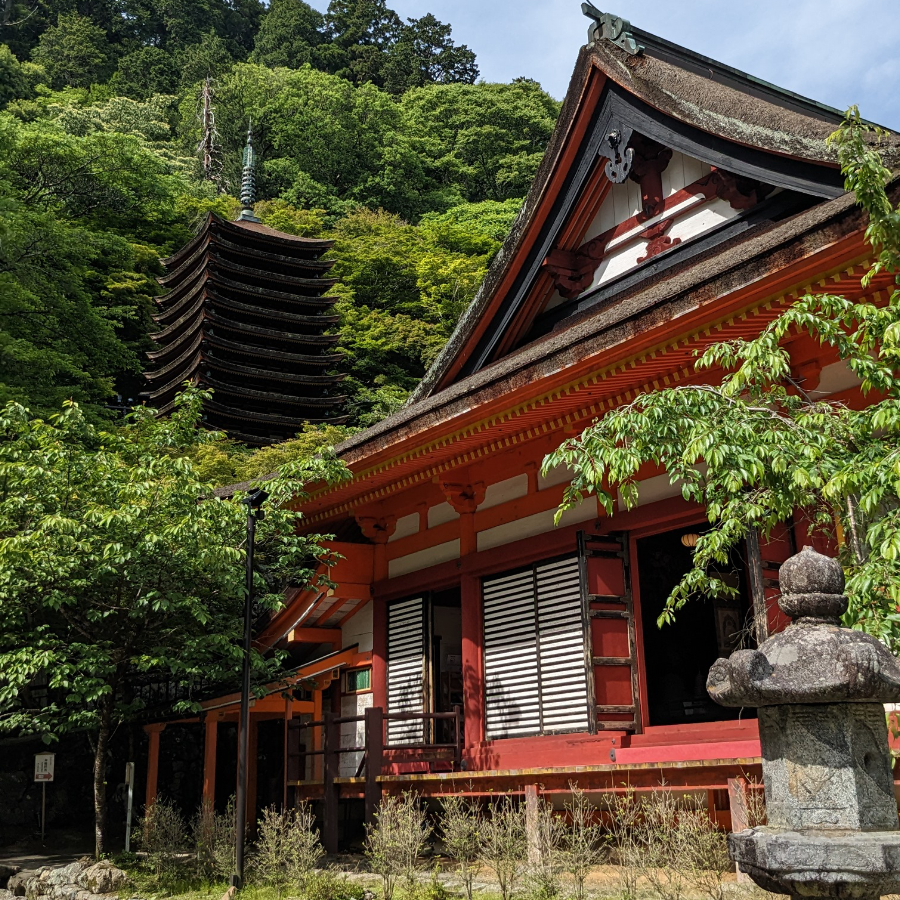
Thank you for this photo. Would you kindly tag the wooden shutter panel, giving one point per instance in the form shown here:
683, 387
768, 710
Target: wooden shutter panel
512, 697
406, 669
534, 651
561, 647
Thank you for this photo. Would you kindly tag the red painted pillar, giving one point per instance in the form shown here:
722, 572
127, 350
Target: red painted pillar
472, 663
153, 733
379, 653
209, 758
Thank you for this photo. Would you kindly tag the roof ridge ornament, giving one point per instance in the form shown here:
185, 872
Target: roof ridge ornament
613, 28
248, 180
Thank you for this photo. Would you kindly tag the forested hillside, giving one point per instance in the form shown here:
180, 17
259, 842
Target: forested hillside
369, 129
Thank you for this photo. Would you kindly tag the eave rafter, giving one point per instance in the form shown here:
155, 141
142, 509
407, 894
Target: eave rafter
574, 404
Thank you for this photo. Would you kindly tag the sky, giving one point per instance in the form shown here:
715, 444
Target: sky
839, 53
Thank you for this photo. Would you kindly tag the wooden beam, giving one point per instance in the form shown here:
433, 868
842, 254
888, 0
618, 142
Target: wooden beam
313, 635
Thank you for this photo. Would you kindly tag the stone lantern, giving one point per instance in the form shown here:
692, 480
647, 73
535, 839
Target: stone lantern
832, 816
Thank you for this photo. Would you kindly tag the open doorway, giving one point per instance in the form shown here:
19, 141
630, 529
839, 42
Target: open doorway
446, 658
678, 656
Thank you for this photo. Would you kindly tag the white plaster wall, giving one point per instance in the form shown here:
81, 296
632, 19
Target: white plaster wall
503, 491
835, 378
557, 475
441, 513
690, 224
539, 523
624, 200
422, 559
358, 630
406, 525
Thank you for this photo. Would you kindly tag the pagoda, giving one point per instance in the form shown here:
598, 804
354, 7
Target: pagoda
244, 316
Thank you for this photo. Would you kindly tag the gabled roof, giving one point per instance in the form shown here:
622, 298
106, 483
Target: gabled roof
629, 81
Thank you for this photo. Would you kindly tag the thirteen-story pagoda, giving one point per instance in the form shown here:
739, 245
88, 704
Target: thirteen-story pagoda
244, 315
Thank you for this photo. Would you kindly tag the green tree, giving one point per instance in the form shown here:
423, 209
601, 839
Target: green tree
74, 52
290, 32
754, 448
17, 79
360, 35
479, 141
208, 57
425, 54
118, 568
339, 144
145, 72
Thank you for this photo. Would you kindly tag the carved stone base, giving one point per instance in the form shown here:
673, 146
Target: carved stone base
837, 864
827, 765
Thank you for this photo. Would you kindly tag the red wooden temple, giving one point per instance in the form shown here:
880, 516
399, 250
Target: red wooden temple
472, 646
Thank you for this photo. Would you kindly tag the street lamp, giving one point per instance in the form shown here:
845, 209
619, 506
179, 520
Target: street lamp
254, 501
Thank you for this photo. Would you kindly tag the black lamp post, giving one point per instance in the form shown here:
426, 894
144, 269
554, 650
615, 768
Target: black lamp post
254, 501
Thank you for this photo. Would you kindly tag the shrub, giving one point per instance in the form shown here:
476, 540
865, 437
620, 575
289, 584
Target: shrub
546, 862
461, 827
287, 849
395, 841
328, 884
163, 836
622, 836
671, 842
583, 841
503, 844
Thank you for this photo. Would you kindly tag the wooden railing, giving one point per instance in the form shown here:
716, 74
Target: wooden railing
372, 761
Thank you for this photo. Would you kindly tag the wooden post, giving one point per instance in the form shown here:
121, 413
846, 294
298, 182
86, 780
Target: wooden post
210, 735
374, 759
757, 588
330, 789
737, 804
153, 733
532, 824
472, 665
288, 715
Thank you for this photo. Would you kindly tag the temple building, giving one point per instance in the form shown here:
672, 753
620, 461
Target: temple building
471, 644
244, 315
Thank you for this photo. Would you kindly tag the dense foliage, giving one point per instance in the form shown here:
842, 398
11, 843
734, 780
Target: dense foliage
119, 569
369, 129
755, 449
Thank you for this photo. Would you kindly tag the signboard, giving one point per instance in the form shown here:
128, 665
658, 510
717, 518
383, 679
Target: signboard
43, 766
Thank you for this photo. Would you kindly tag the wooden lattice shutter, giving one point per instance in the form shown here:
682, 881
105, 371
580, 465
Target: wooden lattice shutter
561, 647
534, 651
512, 697
406, 669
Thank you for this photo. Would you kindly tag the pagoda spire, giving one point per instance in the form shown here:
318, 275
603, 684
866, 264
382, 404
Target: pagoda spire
248, 184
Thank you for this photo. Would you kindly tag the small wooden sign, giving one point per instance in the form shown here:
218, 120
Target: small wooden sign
43, 766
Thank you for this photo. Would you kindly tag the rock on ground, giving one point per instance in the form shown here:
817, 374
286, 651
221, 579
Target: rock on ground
81, 880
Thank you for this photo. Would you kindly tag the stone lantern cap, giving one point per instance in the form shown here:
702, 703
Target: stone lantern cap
814, 660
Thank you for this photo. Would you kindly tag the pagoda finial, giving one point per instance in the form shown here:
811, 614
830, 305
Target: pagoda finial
248, 185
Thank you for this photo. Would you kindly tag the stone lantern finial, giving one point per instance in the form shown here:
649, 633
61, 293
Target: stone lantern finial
812, 588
